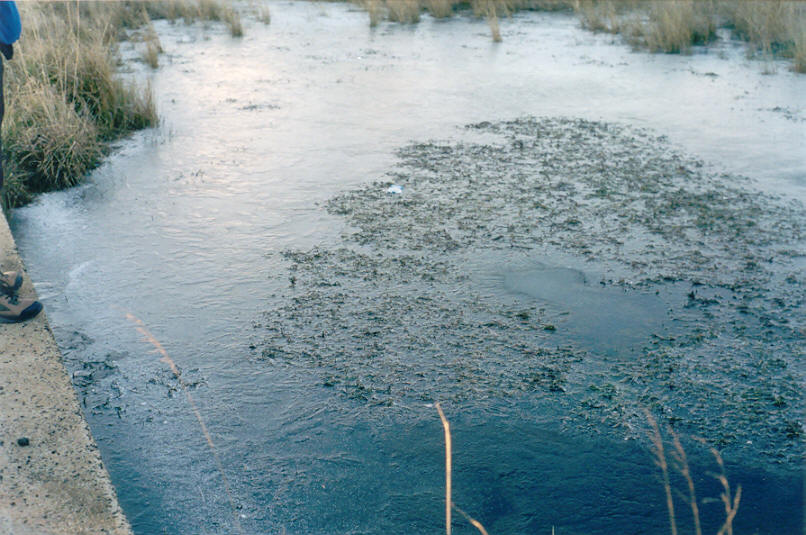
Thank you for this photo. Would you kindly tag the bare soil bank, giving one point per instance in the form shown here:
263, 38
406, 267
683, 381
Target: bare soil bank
395, 315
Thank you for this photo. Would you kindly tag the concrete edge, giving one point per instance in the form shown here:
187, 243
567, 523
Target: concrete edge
57, 483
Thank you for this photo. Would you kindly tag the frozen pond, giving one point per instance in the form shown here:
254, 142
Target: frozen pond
316, 318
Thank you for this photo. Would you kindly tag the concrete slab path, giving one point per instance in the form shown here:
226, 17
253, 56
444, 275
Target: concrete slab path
52, 479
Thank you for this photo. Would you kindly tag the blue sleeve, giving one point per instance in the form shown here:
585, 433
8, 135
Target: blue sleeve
10, 27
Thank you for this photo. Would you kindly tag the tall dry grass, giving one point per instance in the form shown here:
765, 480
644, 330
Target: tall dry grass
375, 10
262, 13
188, 10
771, 28
153, 48
674, 26
599, 16
64, 100
405, 11
799, 52
670, 26
491, 9
440, 9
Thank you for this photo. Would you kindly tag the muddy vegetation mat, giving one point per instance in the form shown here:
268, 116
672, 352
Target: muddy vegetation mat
395, 315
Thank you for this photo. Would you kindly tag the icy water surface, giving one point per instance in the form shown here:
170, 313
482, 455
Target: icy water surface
575, 240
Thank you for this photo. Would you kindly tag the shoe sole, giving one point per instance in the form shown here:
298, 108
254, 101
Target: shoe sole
30, 312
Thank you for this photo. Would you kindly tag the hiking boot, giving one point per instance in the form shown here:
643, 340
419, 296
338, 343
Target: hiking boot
14, 309
10, 282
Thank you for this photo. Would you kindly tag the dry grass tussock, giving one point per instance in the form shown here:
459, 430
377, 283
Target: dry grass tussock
134, 13
262, 12
671, 26
772, 28
676, 26
406, 11
153, 47
64, 100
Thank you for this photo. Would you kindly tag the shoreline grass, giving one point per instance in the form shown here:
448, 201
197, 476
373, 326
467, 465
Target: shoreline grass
64, 99
771, 29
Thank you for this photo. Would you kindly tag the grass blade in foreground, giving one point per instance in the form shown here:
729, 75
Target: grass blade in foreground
448, 501
141, 328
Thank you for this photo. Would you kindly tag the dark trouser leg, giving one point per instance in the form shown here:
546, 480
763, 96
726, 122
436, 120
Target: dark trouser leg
2, 112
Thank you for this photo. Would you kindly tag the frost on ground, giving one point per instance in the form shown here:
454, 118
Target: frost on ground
391, 314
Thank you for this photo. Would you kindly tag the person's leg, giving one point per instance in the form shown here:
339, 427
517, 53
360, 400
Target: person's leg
2, 113
12, 308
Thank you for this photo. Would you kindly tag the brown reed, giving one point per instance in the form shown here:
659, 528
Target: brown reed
449, 505
660, 460
729, 499
681, 463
